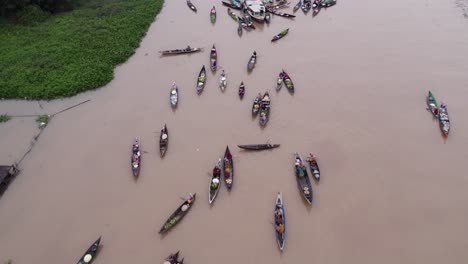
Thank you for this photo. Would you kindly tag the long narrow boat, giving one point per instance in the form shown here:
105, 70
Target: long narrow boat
231, 5
279, 82
88, 256
178, 214
174, 95
303, 181
280, 35
135, 160
252, 61
232, 14
241, 90
163, 141
306, 5
327, 3
201, 81
282, 14
180, 51
239, 29
222, 81
288, 82
213, 58
297, 6
279, 217
314, 168
444, 120
215, 182
432, 104
213, 14
191, 6
228, 168
316, 7
265, 109
256, 105
246, 22
258, 146
172, 258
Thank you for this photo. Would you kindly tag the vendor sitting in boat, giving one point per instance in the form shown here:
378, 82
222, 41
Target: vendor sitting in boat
214, 183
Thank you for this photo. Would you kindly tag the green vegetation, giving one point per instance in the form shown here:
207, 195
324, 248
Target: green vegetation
4, 118
43, 119
48, 56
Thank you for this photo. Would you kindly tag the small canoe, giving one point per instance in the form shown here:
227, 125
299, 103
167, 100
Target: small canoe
314, 168
306, 5
297, 6
239, 29
174, 95
215, 182
201, 81
163, 141
279, 82
258, 146
191, 6
88, 256
316, 11
135, 160
432, 104
288, 82
281, 14
231, 5
252, 61
241, 90
246, 22
280, 35
213, 14
444, 120
172, 258
228, 168
265, 109
222, 81
178, 214
303, 181
280, 221
213, 58
180, 51
267, 17
232, 14
256, 105
327, 3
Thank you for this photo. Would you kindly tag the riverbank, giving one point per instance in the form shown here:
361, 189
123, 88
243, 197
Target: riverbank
71, 52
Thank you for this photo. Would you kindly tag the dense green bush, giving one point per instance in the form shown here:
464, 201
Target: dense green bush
71, 52
32, 14
9, 7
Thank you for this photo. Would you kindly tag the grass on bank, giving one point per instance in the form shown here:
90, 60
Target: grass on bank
48, 56
4, 118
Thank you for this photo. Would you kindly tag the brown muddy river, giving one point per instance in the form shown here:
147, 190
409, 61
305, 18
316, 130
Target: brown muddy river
392, 189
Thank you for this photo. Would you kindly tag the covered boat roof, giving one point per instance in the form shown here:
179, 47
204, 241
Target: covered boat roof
255, 5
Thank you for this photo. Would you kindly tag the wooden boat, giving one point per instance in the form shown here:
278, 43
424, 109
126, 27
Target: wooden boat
174, 95
213, 14
239, 29
7, 174
258, 146
215, 182
213, 58
252, 61
172, 258
178, 214
297, 6
194, 9
201, 81
280, 35
316, 11
327, 3
279, 217
306, 5
241, 90
303, 181
279, 5
432, 104
267, 17
88, 256
279, 82
282, 14
232, 14
222, 81
288, 82
265, 109
246, 22
180, 51
256, 105
237, 3
444, 120
231, 5
135, 160
163, 141
228, 168
314, 168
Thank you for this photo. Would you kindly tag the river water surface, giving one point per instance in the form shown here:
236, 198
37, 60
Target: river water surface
392, 189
